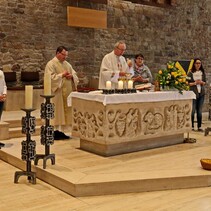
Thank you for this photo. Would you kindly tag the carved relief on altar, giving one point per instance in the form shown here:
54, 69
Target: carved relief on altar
153, 122
123, 124
126, 122
118, 123
176, 117
88, 125
172, 118
183, 116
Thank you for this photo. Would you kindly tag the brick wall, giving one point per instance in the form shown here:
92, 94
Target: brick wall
30, 31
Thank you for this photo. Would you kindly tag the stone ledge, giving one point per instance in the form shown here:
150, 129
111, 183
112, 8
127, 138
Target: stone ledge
130, 146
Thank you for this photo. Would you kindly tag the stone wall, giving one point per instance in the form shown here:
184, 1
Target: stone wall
30, 31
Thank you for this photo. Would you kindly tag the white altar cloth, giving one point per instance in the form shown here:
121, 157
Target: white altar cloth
132, 98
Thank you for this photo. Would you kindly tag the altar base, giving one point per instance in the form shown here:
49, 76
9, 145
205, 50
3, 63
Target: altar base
126, 147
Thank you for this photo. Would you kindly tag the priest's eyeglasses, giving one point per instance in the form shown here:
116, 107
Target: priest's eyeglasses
64, 54
121, 49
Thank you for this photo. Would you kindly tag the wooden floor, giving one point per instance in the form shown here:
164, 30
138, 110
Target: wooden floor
80, 166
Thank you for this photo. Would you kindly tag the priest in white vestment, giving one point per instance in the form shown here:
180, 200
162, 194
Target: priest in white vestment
64, 80
113, 66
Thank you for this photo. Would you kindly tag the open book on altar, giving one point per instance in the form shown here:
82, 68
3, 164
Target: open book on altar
143, 86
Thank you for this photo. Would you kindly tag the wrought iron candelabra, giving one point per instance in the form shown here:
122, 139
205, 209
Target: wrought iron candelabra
28, 147
47, 131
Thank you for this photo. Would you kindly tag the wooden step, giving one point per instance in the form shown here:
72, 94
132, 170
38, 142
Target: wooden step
11, 125
80, 173
17, 123
17, 132
4, 130
13, 129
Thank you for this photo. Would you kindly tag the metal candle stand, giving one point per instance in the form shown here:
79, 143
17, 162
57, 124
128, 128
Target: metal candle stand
47, 131
28, 147
119, 91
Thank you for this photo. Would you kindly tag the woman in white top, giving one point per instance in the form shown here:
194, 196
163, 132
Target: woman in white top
197, 80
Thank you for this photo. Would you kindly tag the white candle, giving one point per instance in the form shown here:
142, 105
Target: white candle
120, 84
28, 97
108, 85
130, 84
47, 84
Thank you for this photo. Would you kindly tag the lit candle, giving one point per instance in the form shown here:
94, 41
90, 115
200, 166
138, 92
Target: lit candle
108, 85
28, 97
120, 84
130, 84
47, 84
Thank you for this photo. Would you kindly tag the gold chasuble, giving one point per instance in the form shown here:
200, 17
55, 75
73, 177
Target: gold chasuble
61, 88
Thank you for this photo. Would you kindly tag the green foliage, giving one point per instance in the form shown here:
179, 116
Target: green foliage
172, 77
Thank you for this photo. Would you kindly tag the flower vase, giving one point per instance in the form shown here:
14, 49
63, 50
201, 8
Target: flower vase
156, 86
167, 88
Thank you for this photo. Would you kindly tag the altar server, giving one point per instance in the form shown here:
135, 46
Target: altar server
64, 80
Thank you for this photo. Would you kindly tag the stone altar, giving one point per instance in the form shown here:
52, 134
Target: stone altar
120, 123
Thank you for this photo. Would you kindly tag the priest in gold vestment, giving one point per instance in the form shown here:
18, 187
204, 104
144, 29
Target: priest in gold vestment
64, 80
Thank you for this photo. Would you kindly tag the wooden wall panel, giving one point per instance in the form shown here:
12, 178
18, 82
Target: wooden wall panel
89, 18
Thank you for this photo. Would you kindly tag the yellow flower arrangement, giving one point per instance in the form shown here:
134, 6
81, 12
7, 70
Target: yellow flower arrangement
172, 77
